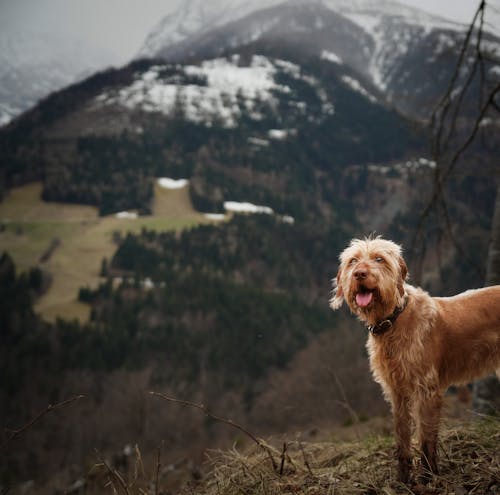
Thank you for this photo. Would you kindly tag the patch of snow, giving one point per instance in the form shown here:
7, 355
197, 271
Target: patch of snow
299, 105
8, 112
228, 86
289, 68
236, 207
486, 122
168, 183
331, 57
491, 48
279, 134
258, 141
288, 219
127, 215
444, 42
426, 162
218, 91
147, 284
412, 165
255, 80
382, 169
215, 216
5, 119
356, 86
494, 71
367, 22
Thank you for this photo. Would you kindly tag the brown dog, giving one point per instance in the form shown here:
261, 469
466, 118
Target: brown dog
418, 345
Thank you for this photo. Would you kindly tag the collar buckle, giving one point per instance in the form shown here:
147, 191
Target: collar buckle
385, 325
380, 327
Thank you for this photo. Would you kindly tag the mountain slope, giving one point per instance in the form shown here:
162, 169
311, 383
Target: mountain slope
233, 315
406, 53
260, 125
195, 18
35, 63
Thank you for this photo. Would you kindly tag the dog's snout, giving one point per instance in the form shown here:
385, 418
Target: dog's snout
360, 274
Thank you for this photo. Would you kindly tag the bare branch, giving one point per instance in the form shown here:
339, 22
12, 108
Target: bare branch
440, 179
51, 407
226, 421
478, 62
444, 103
490, 102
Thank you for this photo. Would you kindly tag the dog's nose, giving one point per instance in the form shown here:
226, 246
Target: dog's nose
360, 274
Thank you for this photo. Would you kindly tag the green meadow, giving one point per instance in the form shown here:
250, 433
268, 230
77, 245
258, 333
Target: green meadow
69, 242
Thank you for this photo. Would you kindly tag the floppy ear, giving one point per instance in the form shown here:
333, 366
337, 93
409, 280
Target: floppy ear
338, 294
403, 271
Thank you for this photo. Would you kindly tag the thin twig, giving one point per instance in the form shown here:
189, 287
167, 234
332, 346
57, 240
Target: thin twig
445, 102
478, 61
114, 474
139, 465
306, 462
345, 403
158, 466
51, 407
283, 455
461, 251
226, 421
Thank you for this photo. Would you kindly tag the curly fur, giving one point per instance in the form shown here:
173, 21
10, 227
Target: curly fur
434, 342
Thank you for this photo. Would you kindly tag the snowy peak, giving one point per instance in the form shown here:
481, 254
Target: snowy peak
388, 44
196, 17
308, 27
368, 13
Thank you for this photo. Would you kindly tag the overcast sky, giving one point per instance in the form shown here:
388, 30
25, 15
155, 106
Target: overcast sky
121, 26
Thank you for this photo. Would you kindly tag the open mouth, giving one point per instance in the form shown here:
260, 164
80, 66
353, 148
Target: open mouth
364, 297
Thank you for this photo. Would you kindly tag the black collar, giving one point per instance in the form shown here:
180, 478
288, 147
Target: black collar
382, 326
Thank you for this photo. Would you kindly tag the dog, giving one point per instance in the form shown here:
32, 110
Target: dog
418, 345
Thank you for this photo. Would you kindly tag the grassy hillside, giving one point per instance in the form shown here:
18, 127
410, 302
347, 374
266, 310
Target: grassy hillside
470, 463
358, 460
69, 241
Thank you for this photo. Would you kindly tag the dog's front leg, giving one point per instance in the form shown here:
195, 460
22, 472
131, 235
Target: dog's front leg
429, 414
401, 408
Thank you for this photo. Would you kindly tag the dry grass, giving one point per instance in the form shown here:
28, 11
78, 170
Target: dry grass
470, 464
31, 225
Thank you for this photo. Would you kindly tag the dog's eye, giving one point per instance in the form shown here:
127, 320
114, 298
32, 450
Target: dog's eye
353, 260
379, 259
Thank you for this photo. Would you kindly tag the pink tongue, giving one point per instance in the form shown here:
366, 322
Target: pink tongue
364, 299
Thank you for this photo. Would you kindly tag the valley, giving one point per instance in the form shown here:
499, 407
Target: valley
80, 240
299, 126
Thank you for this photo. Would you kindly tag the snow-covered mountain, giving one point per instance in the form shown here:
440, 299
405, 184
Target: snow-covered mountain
224, 90
281, 108
197, 16
33, 64
393, 46
256, 125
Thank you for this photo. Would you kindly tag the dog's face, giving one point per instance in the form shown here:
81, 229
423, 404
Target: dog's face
370, 279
